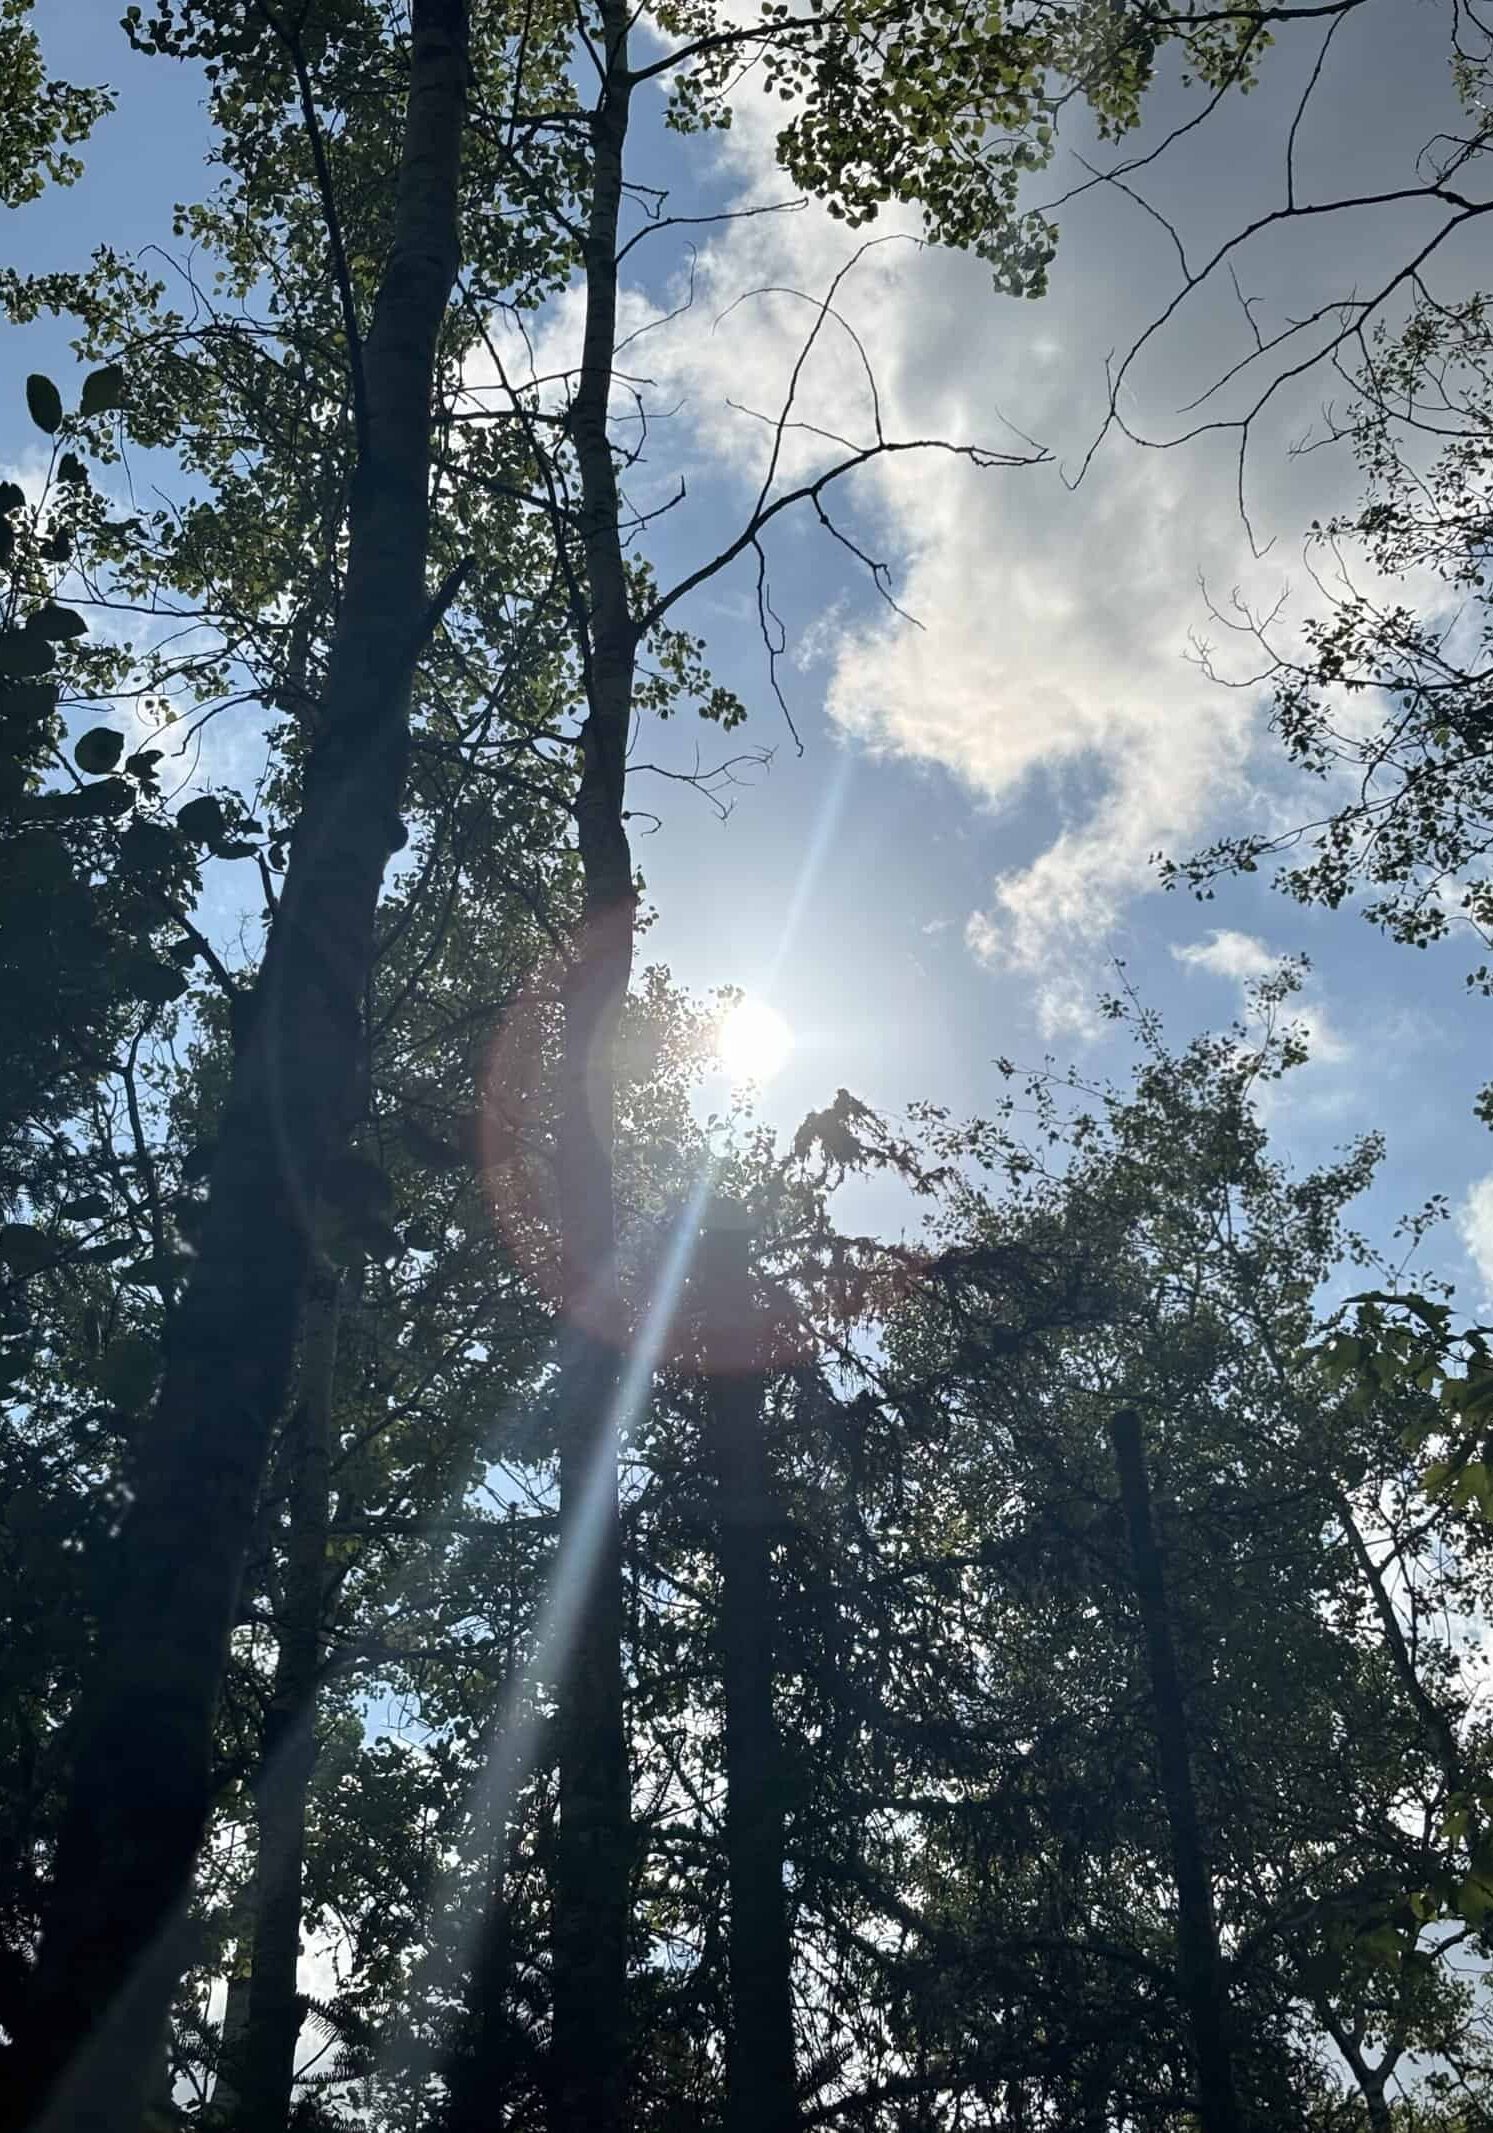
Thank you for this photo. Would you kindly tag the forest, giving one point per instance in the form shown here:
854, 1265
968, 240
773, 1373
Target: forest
570, 1558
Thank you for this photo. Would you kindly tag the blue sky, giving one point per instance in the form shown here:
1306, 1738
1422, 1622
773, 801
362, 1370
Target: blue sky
946, 872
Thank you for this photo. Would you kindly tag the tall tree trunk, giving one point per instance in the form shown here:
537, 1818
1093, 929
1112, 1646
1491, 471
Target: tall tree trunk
480, 2071
1093, 2099
1200, 1969
1376, 2103
139, 1795
593, 1855
761, 2085
223, 2105
267, 2051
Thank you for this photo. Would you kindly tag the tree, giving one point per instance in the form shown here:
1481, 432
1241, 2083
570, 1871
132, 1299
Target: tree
1200, 1973
420, 584
987, 1722
1412, 836
43, 118
856, 80
139, 1790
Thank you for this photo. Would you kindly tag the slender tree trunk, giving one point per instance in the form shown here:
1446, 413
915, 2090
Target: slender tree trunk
1093, 2100
761, 2085
481, 2068
139, 1794
1372, 2081
593, 1858
222, 2110
1200, 1968
267, 2053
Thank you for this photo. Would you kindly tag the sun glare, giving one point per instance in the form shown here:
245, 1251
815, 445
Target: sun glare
753, 1041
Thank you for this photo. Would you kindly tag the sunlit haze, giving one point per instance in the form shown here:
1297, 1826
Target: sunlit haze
753, 1041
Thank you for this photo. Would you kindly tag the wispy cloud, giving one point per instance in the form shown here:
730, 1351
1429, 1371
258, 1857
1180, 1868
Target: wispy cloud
1227, 954
1241, 959
1474, 1223
1065, 1008
1048, 665
1040, 647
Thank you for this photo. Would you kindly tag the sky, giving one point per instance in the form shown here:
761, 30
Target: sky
949, 869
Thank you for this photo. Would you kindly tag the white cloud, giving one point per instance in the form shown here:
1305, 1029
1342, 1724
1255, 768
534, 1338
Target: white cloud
1065, 1008
1326, 1044
1227, 954
1053, 644
1474, 1221
1064, 1004
1051, 665
1242, 958
1051, 627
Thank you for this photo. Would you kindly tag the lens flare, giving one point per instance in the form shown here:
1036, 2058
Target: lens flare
753, 1041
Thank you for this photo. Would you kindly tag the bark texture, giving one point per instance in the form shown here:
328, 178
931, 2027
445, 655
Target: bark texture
761, 2084
139, 1793
479, 2074
593, 1853
1199, 1967
223, 2106
266, 2051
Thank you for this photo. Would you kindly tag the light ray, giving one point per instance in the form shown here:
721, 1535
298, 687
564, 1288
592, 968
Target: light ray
831, 808
512, 1736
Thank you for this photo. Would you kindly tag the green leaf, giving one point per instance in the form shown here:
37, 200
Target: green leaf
156, 983
154, 1272
1479, 1484
429, 1148
24, 1249
201, 820
147, 847
1381, 1945
27, 703
1474, 1899
127, 1371
111, 796
56, 623
12, 496
98, 750
71, 469
25, 652
89, 1208
356, 1186
106, 1254
102, 390
44, 403
142, 768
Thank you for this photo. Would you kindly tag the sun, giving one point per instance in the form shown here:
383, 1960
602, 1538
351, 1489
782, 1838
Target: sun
753, 1041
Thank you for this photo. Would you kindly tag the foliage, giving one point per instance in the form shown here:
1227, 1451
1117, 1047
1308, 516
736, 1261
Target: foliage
978, 1857
1386, 703
40, 118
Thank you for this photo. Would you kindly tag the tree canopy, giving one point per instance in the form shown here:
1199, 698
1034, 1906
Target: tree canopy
526, 1604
